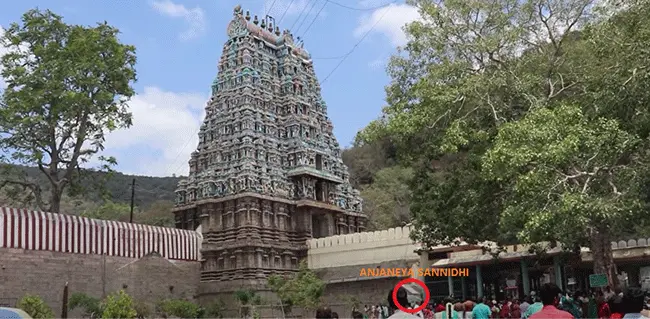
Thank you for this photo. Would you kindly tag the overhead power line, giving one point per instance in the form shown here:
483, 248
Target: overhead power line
355, 46
331, 57
351, 8
285, 11
306, 16
178, 156
300, 15
314, 20
270, 8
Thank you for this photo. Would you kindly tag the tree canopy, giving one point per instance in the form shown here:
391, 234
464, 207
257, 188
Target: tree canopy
67, 86
524, 120
303, 289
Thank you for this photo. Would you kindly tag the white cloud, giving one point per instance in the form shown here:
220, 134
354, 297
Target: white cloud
378, 63
195, 17
388, 20
164, 133
371, 3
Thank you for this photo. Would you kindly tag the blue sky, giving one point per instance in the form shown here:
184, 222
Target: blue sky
179, 43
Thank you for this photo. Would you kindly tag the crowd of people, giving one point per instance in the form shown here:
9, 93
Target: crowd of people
550, 303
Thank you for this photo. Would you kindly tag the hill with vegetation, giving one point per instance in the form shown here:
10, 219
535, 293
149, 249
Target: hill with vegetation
107, 195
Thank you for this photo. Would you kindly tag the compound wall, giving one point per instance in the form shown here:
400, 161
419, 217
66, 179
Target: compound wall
44, 273
40, 252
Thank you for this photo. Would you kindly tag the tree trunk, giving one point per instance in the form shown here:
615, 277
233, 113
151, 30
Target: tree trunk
601, 249
55, 199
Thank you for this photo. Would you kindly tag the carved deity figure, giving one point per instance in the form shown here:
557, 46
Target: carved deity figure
331, 199
310, 192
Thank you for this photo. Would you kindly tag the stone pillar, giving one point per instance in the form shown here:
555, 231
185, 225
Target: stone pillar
463, 286
525, 278
212, 225
450, 283
204, 215
352, 228
479, 282
330, 224
361, 225
342, 226
557, 267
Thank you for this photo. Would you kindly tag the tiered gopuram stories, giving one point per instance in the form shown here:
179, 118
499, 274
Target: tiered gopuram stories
267, 174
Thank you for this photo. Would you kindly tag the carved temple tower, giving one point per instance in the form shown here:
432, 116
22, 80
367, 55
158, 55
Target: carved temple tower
267, 173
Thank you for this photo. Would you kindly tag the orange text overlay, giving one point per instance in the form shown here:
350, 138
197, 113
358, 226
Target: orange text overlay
410, 272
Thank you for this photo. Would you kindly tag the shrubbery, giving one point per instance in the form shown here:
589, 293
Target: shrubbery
180, 308
121, 305
35, 307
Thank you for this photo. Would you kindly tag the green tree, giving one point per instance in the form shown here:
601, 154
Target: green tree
67, 86
119, 305
109, 211
215, 309
248, 300
365, 160
570, 179
179, 308
35, 307
476, 73
91, 306
157, 214
303, 289
387, 199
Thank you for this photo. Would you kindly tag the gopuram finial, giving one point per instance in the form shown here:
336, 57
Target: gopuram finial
255, 20
237, 9
248, 16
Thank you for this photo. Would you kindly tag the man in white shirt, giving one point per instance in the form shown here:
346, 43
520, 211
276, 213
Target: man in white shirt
402, 299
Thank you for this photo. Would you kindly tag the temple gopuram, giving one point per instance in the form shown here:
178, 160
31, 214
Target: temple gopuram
267, 174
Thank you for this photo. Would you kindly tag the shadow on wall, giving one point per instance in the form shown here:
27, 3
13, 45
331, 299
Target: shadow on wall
44, 274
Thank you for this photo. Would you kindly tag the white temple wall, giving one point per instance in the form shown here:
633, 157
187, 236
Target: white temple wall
362, 248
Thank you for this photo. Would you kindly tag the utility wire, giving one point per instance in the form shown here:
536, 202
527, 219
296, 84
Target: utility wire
351, 8
269, 9
331, 57
183, 149
314, 20
285, 11
359, 9
300, 15
354, 47
306, 16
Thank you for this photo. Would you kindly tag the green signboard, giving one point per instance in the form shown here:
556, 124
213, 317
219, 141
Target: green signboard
599, 280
